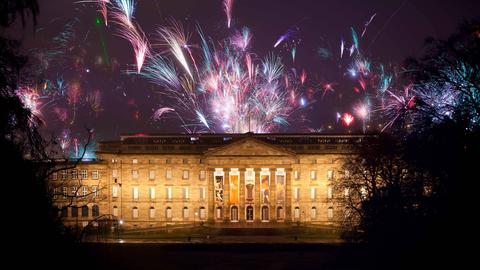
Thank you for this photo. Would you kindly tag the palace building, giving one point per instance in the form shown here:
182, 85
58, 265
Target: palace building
223, 179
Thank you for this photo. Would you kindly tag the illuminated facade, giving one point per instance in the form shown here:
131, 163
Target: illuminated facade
223, 179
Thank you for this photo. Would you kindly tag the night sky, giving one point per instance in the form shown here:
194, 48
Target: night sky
93, 58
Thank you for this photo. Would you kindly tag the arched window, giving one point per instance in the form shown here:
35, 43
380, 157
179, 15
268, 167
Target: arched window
249, 213
151, 213
265, 213
218, 213
234, 214
95, 211
168, 213
64, 211
296, 213
280, 213
74, 211
115, 211
84, 211
185, 212
313, 213
135, 212
203, 213
330, 213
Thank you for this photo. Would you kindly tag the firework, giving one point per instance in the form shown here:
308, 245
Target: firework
347, 119
367, 24
287, 35
228, 6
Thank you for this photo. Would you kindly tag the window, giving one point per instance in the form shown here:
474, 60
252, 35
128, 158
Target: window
64, 212
185, 175
313, 193
115, 191
249, 213
115, 211
296, 193
54, 176
168, 174
185, 161
280, 213
347, 174
74, 191
134, 174
250, 192
151, 212
64, 175
265, 213
135, 193
151, 161
55, 192
168, 213
313, 175
314, 161
329, 193
218, 213
74, 211
202, 161
114, 173
346, 192
168, 161
363, 193
202, 175
84, 211
168, 193
329, 174
134, 161
330, 213
74, 174
95, 191
296, 213
64, 192
95, 174
135, 212
152, 193
203, 213
234, 214
185, 213
296, 175
313, 213
185, 193
202, 193
151, 175
84, 191
95, 211
84, 174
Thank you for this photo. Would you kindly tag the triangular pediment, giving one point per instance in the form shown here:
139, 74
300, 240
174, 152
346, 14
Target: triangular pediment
249, 147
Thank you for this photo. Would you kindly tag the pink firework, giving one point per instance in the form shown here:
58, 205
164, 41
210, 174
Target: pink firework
303, 76
347, 119
228, 6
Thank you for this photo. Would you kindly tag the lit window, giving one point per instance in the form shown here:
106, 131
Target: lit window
330, 175
185, 193
84, 191
55, 192
203, 213
169, 193
114, 173
185, 175
313, 175
313, 213
134, 174
296, 213
347, 173
202, 193
151, 213
64, 192
115, 191
84, 174
185, 213
115, 211
95, 174
296, 175
168, 213
168, 174
313, 193
74, 191
202, 175
151, 175
54, 176
134, 161
95, 191
218, 213
135, 212
74, 174
330, 213
329, 193
64, 175
346, 192
152, 193
280, 213
296, 193
135, 193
